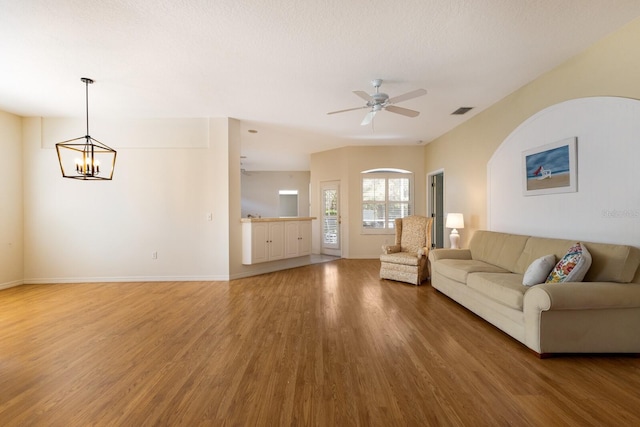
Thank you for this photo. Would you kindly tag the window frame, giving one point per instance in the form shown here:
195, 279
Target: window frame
385, 174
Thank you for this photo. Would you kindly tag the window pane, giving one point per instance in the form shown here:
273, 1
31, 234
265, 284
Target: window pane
398, 210
330, 230
373, 215
399, 189
373, 189
330, 203
386, 195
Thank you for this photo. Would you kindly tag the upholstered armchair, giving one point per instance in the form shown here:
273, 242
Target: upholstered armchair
406, 261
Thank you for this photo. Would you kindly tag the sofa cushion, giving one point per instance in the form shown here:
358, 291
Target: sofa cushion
501, 249
539, 270
573, 266
505, 288
459, 269
612, 263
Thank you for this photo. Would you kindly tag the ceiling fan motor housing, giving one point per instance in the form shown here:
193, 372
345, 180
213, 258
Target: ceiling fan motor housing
380, 98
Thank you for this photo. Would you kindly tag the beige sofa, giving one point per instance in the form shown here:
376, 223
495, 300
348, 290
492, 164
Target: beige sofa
601, 314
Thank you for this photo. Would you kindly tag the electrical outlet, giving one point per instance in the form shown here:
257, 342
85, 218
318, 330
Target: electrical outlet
209, 216
154, 255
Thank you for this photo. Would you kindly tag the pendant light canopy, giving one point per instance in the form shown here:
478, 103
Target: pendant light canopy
86, 158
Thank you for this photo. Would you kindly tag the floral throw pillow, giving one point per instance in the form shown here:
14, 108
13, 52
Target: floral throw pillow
572, 267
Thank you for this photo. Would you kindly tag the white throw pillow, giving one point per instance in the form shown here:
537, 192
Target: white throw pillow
539, 270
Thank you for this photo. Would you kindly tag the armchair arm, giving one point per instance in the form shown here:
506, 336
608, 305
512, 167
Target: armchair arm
390, 249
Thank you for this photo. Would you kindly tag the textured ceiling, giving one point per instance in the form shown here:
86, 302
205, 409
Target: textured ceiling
280, 65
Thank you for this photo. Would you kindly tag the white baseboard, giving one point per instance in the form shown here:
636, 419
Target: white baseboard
12, 284
53, 280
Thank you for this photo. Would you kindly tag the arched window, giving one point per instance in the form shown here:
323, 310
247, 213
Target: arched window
387, 194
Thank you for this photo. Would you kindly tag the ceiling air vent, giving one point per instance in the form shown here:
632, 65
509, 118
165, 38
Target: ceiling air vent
462, 110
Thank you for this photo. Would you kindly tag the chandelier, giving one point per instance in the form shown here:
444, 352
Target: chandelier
86, 158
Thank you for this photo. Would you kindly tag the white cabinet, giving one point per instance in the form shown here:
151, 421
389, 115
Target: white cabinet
273, 239
297, 238
262, 242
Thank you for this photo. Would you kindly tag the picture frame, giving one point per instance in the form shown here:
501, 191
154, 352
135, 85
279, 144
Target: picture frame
551, 168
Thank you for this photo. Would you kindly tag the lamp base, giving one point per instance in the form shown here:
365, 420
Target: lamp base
455, 239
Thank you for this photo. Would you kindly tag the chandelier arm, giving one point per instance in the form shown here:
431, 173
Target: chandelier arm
71, 140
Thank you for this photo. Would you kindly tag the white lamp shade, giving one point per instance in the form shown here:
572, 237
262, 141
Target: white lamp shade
455, 220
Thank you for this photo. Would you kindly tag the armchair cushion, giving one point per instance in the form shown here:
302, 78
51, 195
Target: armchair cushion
405, 258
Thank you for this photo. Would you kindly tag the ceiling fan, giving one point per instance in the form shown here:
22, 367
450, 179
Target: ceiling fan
380, 101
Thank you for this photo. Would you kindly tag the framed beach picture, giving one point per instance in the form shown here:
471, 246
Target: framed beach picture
551, 168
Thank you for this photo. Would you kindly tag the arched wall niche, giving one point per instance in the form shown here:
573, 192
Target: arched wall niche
606, 205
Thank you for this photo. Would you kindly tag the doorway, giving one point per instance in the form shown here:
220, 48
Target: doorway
330, 218
436, 207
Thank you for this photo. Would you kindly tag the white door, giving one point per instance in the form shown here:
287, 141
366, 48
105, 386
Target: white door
330, 211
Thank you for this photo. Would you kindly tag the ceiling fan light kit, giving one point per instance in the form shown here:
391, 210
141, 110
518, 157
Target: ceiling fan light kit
379, 101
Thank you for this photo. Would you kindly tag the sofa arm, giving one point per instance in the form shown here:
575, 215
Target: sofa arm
438, 254
586, 317
582, 296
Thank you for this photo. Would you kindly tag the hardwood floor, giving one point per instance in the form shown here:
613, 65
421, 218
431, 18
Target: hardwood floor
326, 344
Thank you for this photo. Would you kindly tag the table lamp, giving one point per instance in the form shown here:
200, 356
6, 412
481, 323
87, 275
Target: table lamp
455, 221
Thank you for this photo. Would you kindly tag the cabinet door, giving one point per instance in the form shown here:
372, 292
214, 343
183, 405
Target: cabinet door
304, 236
259, 242
292, 238
276, 240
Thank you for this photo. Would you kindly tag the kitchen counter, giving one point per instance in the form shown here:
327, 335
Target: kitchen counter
282, 218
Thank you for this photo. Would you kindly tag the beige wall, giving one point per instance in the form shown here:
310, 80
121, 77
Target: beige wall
260, 191
345, 165
608, 68
11, 201
158, 202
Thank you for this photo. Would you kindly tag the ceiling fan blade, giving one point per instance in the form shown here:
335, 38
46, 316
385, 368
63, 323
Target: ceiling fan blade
368, 118
364, 95
409, 95
404, 111
348, 109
